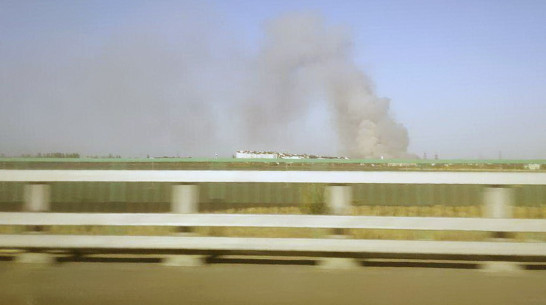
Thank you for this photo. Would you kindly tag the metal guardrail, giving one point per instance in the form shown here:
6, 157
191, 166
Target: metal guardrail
316, 245
184, 205
344, 177
275, 221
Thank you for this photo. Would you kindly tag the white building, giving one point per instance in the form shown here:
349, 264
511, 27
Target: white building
250, 154
247, 154
532, 166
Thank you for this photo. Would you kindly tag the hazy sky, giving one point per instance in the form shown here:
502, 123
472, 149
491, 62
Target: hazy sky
466, 78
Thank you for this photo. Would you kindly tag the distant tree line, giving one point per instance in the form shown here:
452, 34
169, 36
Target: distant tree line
109, 156
65, 155
52, 155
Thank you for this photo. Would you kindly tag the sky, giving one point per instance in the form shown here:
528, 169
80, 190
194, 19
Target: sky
467, 79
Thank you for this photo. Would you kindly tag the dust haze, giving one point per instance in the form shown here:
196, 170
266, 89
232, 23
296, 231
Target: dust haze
187, 86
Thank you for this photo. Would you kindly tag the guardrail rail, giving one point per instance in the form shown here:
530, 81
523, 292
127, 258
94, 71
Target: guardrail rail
185, 200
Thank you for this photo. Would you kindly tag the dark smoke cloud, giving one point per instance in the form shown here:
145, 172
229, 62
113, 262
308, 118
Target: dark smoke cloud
184, 89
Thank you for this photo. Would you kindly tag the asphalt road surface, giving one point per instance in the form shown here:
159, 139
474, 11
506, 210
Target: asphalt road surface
132, 283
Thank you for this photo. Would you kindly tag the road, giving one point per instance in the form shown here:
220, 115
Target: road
143, 283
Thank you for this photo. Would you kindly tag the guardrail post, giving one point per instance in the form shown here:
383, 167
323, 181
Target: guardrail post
36, 198
184, 200
338, 200
497, 202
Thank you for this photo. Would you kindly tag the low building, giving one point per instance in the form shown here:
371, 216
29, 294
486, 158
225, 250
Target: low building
248, 154
532, 166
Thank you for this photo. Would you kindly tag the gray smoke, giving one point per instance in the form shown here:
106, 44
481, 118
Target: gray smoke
302, 58
184, 89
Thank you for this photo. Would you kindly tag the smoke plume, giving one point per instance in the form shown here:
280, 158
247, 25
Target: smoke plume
182, 87
303, 57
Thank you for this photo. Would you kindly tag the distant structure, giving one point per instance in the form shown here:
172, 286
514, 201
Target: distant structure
250, 154
532, 166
